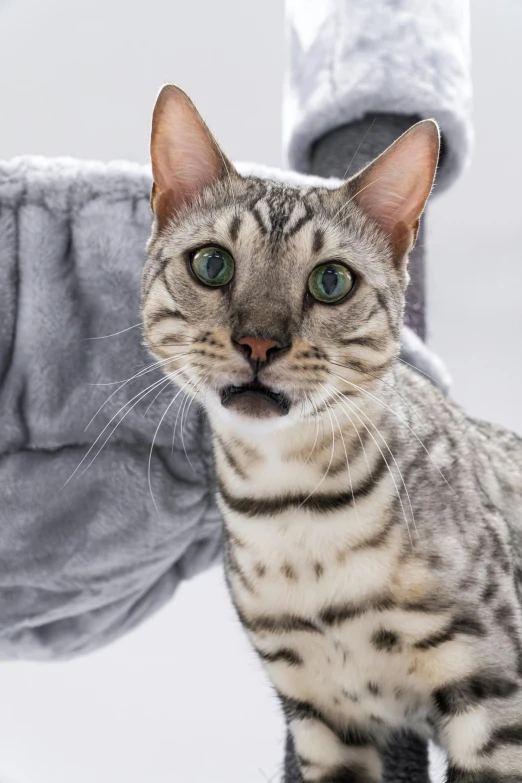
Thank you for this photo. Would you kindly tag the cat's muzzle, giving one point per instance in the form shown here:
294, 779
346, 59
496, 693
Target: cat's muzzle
255, 400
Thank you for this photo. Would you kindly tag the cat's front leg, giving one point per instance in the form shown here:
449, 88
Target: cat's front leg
324, 757
483, 739
495, 761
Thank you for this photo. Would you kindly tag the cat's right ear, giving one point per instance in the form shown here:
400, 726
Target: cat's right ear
185, 156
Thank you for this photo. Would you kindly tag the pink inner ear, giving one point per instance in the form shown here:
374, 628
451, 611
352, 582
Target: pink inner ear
395, 188
185, 157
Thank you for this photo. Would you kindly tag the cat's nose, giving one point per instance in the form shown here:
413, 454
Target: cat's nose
258, 350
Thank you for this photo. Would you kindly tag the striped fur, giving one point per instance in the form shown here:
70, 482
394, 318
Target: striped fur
373, 536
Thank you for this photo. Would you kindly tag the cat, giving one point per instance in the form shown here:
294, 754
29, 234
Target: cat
372, 531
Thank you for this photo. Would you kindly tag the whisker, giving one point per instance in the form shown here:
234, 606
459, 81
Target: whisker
347, 465
352, 402
180, 411
137, 397
315, 440
403, 421
176, 344
382, 380
352, 198
326, 471
191, 400
435, 381
154, 440
114, 334
180, 408
344, 400
148, 367
155, 436
149, 406
370, 469
145, 371
163, 383
141, 372
358, 148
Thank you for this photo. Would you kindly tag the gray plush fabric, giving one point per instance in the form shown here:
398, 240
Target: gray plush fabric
81, 565
347, 59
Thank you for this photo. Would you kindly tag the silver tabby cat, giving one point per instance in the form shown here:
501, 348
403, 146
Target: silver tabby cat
373, 532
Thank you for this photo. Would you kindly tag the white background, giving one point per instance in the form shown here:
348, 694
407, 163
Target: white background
182, 698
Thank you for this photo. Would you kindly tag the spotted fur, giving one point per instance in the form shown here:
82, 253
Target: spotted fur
373, 536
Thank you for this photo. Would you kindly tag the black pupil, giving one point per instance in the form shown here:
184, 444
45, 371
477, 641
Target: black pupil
215, 265
329, 281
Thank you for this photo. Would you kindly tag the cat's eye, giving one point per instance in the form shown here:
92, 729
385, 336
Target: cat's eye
329, 283
213, 266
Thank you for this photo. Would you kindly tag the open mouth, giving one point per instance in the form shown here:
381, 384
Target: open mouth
256, 400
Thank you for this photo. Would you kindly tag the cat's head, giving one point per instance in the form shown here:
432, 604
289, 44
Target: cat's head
265, 300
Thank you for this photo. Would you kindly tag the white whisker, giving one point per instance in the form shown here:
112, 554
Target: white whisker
399, 418
326, 471
149, 406
387, 383
435, 381
163, 383
155, 436
148, 368
191, 400
145, 371
359, 436
154, 440
114, 334
359, 147
352, 198
352, 402
348, 466
137, 397
344, 400
123, 381
315, 440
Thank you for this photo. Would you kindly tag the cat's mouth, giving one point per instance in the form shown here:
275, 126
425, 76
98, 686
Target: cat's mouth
256, 400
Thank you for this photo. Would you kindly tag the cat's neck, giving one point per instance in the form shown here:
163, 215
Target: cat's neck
341, 425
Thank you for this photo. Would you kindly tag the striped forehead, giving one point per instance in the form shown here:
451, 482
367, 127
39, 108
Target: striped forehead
272, 219
276, 214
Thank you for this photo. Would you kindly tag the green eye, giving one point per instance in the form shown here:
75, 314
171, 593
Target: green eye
330, 282
213, 266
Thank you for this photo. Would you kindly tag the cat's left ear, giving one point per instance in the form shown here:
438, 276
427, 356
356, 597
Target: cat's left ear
394, 188
185, 156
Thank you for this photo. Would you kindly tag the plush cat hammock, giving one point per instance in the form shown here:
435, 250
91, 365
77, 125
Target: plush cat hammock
83, 564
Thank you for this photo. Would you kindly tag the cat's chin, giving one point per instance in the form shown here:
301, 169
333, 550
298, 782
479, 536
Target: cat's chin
253, 406
255, 401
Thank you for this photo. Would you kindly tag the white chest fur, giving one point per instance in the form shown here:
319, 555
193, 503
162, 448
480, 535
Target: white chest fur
302, 574
329, 598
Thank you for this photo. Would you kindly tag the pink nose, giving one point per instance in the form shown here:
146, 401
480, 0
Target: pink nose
258, 348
